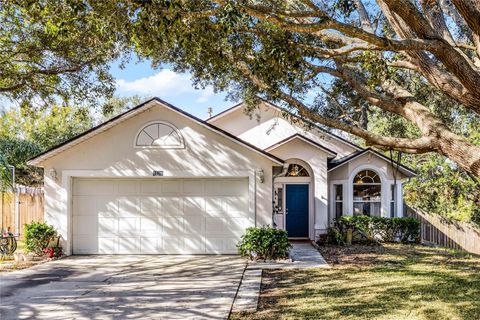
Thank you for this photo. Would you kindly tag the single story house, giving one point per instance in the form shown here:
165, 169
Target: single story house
157, 180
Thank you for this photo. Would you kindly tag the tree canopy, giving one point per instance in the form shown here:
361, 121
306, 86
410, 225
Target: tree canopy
53, 50
286, 50
25, 132
299, 53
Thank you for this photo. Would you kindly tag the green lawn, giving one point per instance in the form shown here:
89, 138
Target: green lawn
389, 282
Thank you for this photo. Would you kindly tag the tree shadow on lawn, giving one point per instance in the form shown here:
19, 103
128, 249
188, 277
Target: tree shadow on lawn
399, 283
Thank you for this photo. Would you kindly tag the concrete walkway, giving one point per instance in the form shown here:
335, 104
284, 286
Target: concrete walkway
303, 255
123, 287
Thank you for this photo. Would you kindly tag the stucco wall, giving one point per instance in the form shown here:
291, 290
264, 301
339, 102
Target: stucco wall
345, 173
112, 153
266, 126
317, 160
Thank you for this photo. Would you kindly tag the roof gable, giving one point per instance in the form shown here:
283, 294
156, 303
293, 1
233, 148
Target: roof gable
297, 136
335, 164
131, 113
231, 111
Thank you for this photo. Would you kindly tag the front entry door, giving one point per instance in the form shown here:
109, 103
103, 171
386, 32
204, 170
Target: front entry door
297, 210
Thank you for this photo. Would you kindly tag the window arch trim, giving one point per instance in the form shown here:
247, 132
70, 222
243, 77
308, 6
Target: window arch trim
367, 178
179, 144
297, 170
369, 181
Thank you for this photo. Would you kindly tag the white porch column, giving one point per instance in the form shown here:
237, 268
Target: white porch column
399, 198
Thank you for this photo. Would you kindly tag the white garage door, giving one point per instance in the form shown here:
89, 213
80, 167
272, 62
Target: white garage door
166, 216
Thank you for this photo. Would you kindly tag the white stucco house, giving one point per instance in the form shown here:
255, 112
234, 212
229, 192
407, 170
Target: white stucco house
156, 179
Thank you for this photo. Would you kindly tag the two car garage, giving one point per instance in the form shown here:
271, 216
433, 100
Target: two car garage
159, 215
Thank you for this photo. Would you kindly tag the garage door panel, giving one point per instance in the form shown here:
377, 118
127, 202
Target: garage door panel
171, 187
172, 226
216, 226
150, 224
128, 245
107, 227
194, 244
85, 244
84, 187
194, 206
171, 245
194, 224
150, 205
150, 244
169, 216
106, 205
128, 206
128, 226
236, 205
150, 187
84, 205
193, 187
240, 224
214, 187
128, 187
171, 206
107, 245
227, 226
104, 187
85, 225
221, 245
215, 205
236, 188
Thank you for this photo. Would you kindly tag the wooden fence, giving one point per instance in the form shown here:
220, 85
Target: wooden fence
443, 232
30, 208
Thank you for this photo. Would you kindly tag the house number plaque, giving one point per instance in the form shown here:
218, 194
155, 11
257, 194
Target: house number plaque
158, 173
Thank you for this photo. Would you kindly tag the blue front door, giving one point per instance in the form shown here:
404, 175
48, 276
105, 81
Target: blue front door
297, 210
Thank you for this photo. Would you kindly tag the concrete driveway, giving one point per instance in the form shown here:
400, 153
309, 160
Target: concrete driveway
123, 287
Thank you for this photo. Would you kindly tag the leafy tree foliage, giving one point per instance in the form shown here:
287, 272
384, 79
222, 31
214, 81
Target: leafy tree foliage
16, 152
117, 105
25, 133
284, 50
56, 49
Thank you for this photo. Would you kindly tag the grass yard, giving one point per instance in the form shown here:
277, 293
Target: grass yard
384, 282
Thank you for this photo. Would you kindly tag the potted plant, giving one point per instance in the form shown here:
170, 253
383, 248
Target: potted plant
49, 252
54, 251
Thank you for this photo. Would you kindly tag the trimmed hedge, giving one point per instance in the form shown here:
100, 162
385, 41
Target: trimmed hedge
375, 229
264, 243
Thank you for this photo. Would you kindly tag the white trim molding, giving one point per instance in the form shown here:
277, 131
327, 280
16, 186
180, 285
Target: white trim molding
180, 145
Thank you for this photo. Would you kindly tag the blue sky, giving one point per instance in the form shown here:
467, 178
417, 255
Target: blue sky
176, 88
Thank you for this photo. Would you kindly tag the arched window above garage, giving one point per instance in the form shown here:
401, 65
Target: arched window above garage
159, 134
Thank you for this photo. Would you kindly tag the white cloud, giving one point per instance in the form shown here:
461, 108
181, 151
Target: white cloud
165, 83
205, 94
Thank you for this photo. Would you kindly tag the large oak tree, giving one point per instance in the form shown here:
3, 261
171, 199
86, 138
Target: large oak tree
283, 50
52, 50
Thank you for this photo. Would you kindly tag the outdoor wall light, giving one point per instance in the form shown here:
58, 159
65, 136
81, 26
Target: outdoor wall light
261, 175
53, 174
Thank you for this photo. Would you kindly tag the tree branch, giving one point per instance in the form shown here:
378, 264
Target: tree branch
420, 145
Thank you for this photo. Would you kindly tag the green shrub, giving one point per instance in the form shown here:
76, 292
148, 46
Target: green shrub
37, 237
374, 229
264, 243
335, 236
